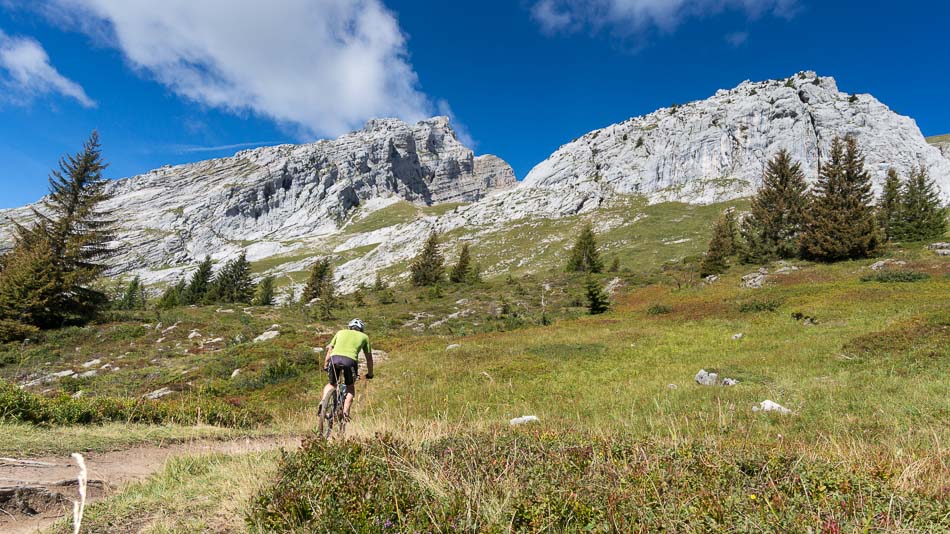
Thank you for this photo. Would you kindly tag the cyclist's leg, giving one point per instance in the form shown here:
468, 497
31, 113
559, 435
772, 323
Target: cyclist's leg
331, 384
349, 377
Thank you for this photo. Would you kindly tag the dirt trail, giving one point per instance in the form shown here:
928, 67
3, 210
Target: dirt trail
36, 492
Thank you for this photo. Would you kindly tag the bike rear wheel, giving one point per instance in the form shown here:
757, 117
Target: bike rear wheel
328, 413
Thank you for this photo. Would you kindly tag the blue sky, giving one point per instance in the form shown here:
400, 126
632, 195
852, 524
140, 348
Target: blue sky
178, 81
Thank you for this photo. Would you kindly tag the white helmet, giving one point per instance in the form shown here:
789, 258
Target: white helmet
356, 324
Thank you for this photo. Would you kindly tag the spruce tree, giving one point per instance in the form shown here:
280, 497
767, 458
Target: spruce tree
462, 271
428, 267
75, 232
840, 223
133, 296
31, 285
378, 284
584, 255
722, 245
614, 265
321, 277
265, 292
778, 209
889, 207
921, 215
233, 283
173, 295
597, 300
198, 284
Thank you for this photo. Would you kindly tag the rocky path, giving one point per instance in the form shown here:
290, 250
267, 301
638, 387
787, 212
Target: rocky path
36, 492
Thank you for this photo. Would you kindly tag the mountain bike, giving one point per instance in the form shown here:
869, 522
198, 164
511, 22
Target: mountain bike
331, 407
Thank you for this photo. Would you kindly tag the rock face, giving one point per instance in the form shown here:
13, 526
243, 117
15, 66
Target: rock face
716, 149
176, 215
942, 142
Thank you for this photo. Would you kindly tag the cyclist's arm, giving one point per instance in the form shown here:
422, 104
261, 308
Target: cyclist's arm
368, 352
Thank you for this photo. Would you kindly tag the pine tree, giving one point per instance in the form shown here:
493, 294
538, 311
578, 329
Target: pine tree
133, 297
31, 285
921, 216
722, 245
584, 255
76, 234
198, 284
359, 296
428, 267
462, 271
378, 284
321, 277
778, 209
597, 300
614, 265
888, 209
232, 283
265, 292
840, 223
173, 295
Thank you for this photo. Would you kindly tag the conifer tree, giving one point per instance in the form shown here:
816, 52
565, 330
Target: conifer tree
265, 292
359, 296
233, 282
722, 245
462, 271
173, 295
428, 267
133, 296
584, 255
889, 207
321, 277
198, 284
71, 234
921, 215
778, 209
614, 265
31, 286
840, 223
378, 284
597, 300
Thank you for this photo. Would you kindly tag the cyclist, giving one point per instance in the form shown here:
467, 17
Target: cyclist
343, 357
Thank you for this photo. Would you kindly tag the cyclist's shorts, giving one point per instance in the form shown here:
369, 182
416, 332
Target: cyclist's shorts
347, 366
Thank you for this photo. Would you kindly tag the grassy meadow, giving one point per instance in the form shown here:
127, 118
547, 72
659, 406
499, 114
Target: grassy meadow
626, 440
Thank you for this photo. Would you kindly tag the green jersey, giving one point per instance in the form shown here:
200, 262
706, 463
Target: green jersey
349, 343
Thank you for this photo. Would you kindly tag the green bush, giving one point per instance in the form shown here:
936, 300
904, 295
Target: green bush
17, 405
571, 483
761, 305
659, 309
887, 276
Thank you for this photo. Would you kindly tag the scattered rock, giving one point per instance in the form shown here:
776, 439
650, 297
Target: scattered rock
523, 420
88, 374
704, 378
170, 328
216, 340
158, 326
738, 336
266, 336
158, 393
160, 340
194, 334
671, 386
318, 349
90, 363
77, 394
453, 346
939, 246
729, 382
235, 373
613, 286
711, 278
769, 406
223, 310
755, 280
883, 264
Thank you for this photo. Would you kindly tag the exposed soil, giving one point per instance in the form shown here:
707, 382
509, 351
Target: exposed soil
36, 492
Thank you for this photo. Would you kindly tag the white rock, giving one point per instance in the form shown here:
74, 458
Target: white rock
738, 336
711, 278
215, 340
160, 340
453, 346
266, 336
158, 393
318, 349
883, 264
224, 310
171, 328
729, 381
77, 394
704, 378
523, 420
194, 334
671, 386
88, 374
90, 363
769, 406
939, 246
235, 372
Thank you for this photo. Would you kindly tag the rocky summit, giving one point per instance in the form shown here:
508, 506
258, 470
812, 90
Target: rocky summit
286, 205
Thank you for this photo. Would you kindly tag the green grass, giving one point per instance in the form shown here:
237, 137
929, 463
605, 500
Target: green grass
399, 213
939, 139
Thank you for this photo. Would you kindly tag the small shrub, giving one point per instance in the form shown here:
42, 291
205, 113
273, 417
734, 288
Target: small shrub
659, 309
762, 305
887, 276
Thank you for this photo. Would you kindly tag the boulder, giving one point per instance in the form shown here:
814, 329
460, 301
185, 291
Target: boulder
770, 406
523, 420
267, 336
158, 393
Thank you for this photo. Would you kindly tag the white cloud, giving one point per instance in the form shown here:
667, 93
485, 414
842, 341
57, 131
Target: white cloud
629, 17
26, 72
321, 66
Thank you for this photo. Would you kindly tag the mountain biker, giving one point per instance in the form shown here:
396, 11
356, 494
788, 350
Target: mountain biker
343, 357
